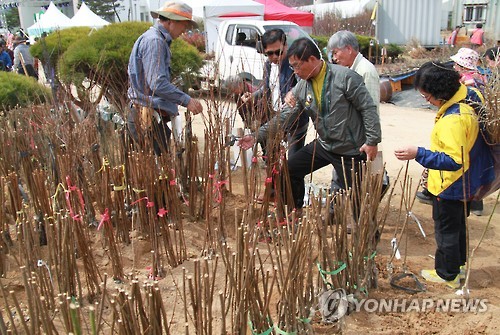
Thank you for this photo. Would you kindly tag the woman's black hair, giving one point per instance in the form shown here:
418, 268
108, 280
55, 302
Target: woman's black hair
437, 79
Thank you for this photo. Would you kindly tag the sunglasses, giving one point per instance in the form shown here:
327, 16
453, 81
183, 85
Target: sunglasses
274, 52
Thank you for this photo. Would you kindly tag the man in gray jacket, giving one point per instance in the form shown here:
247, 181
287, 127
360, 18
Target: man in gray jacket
342, 111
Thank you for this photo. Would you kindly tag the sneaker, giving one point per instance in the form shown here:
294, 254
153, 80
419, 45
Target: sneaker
463, 270
476, 207
424, 197
432, 276
477, 212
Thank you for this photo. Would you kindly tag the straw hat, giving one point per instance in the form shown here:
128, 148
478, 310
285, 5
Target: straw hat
467, 58
176, 11
18, 40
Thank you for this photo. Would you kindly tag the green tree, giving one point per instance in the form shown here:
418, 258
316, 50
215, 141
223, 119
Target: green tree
98, 62
12, 18
50, 48
104, 8
21, 91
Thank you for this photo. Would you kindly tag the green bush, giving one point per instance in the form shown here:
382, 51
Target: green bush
56, 43
321, 41
394, 50
364, 43
101, 59
20, 90
186, 62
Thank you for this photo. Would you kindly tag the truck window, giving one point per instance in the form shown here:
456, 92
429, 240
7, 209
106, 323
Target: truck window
292, 32
229, 34
246, 36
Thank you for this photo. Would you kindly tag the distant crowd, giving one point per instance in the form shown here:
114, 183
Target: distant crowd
474, 40
15, 55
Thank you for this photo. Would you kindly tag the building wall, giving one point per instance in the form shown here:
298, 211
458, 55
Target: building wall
138, 10
399, 21
28, 9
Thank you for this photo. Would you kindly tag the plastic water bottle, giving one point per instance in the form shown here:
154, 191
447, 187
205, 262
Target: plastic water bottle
117, 118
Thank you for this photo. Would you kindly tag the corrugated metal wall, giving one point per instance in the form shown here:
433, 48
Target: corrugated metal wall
398, 21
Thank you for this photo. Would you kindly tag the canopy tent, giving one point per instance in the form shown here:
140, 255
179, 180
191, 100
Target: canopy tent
85, 17
225, 8
51, 20
274, 10
347, 8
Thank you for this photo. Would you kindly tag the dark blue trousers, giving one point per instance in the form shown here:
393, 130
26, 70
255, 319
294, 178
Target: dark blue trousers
450, 230
313, 157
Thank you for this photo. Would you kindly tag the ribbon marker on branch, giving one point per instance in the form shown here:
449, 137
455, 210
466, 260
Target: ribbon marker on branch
104, 218
217, 188
70, 189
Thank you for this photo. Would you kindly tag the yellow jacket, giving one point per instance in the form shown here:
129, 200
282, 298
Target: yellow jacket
458, 153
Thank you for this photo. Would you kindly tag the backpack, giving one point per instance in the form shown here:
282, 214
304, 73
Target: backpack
494, 185
475, 99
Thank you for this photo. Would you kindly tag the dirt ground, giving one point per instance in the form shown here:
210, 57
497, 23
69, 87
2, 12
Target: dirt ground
400, 125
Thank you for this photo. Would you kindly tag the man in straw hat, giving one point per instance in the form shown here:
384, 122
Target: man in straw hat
154, 99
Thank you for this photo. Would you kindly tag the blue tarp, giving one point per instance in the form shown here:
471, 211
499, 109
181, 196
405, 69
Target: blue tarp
402, 76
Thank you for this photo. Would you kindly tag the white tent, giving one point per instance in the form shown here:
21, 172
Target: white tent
348, 8
214, 12
51, 20
85, 17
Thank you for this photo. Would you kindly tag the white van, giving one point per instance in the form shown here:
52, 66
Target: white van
238, 45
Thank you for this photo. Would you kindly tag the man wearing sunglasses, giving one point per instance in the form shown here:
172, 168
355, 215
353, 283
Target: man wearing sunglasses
343, 113
278, 80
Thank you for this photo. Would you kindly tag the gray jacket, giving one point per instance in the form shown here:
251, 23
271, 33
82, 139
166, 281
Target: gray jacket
347, 118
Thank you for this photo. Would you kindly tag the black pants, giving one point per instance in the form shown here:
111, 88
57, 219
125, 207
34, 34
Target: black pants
451, 233
313, 157
30, 69
296, 139
159, 132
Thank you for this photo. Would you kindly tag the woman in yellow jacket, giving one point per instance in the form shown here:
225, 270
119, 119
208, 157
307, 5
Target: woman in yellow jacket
458, 156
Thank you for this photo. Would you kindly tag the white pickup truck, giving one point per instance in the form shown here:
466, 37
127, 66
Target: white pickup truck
237, 48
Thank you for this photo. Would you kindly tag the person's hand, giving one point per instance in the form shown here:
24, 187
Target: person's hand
369, 150
246, 97
194, 106
406, 153
290, 99
246, 142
